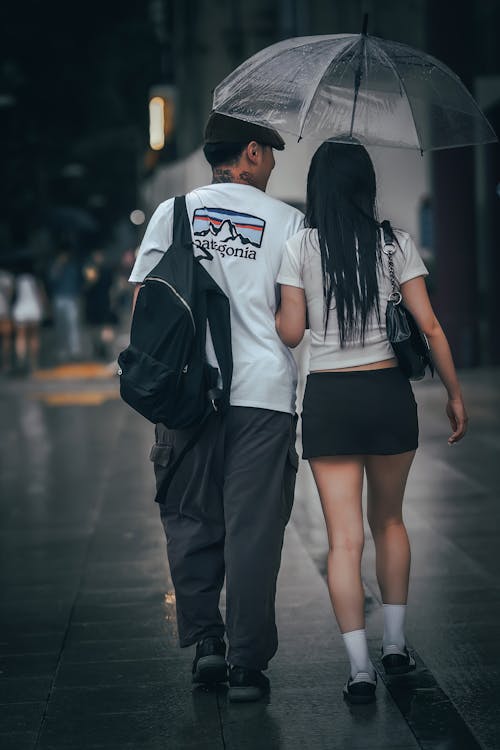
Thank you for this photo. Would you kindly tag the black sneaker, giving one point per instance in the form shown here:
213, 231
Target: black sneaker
247, 684
209, 665
361, 688
396, 660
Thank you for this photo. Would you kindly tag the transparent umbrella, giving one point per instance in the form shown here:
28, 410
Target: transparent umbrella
346, 87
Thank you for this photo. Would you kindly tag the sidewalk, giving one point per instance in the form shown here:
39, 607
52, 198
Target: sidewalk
88, 623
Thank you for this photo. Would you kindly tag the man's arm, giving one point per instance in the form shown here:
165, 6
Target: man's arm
134, 299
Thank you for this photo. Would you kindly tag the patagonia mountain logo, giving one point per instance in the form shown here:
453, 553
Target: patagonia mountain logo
224, 225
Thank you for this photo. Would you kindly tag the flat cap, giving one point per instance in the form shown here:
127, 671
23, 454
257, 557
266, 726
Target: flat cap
224, 129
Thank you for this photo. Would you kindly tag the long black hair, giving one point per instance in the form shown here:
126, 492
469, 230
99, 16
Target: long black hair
341, 194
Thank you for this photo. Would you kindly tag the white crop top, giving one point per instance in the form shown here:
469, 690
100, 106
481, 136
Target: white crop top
301, 267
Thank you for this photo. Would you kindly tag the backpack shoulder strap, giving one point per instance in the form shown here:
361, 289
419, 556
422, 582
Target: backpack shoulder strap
182, 241
219, 318
182, 229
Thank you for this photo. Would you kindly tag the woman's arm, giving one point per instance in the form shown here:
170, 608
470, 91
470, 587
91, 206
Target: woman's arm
417, 301
291, 315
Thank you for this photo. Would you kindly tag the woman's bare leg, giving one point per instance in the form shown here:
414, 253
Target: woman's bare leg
33, 344
386, 478
339, 480
6, 335
21, 344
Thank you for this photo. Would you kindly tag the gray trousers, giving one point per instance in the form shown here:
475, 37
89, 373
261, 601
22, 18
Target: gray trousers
224, 516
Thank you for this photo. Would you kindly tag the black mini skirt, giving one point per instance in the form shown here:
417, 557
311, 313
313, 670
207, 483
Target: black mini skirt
360, 412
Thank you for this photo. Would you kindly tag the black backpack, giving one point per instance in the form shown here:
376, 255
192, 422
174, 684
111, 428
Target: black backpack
164, 373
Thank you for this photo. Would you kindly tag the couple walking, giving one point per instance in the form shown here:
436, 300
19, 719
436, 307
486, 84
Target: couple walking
229, 502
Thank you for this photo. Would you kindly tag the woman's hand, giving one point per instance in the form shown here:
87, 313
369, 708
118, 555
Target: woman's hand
457, 415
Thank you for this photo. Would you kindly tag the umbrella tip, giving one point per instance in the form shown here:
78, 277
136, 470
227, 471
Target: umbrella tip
365, 24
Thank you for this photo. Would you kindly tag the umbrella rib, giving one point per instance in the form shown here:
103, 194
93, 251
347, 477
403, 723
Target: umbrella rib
402, 84
357, 76
243, 82
323, 74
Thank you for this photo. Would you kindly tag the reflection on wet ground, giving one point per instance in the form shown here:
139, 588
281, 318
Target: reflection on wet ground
88, 640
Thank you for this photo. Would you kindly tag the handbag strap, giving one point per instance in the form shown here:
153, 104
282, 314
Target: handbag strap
389, 248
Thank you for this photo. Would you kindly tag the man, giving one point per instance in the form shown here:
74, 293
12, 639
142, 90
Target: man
66, 281
228, 503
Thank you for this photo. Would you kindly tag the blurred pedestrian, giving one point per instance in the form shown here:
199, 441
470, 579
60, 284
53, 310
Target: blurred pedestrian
359, 413
27, 314
6, 327
123, 291
65, 279
99, 312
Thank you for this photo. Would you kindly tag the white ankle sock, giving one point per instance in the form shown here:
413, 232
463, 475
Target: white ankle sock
357, 650
394, 625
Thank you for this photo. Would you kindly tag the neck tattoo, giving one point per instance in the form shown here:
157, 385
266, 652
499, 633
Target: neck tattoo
246, 177
222, 174
228, 174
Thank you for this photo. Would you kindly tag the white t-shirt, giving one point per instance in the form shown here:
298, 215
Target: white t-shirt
240, 232
28, 306
301, 267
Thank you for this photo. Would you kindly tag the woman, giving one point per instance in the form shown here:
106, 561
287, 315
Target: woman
27, 313
359, 414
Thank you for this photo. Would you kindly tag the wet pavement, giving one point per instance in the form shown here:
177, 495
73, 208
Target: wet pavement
88, 634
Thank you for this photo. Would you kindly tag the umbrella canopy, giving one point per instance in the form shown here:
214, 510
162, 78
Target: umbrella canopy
347, 87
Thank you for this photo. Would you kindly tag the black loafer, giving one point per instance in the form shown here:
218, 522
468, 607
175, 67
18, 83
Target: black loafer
361, 688
397, 661
247, 685
209, 665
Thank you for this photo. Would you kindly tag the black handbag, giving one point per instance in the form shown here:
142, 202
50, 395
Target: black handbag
409, 343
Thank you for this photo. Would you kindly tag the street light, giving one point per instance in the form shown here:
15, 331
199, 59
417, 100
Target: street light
161, 116
137, 217
157, 123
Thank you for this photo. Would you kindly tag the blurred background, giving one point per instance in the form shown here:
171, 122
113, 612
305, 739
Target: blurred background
102, 110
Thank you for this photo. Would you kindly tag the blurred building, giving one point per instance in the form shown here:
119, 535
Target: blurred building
448, 200
76, 91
